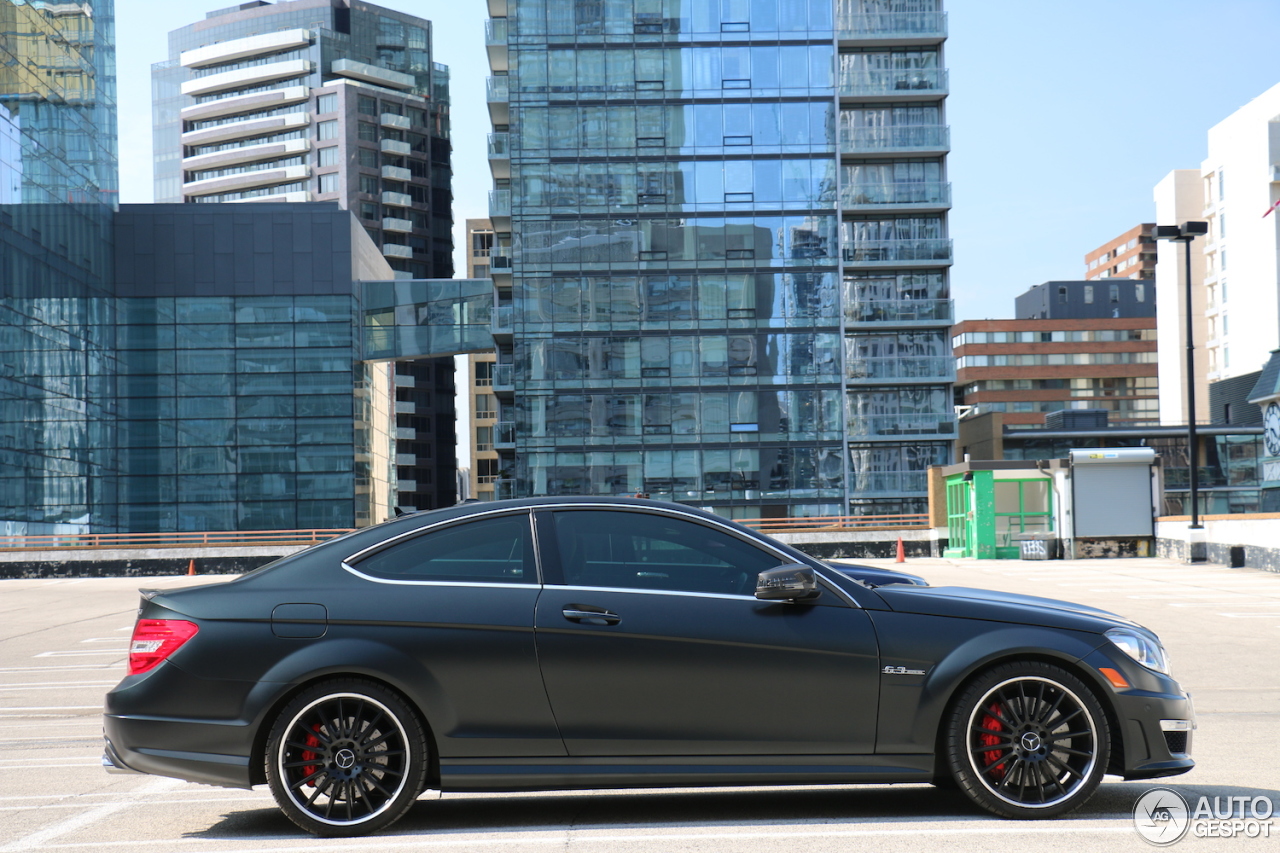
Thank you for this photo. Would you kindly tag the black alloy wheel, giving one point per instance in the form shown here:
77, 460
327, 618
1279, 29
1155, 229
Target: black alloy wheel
346, 758
1028, 740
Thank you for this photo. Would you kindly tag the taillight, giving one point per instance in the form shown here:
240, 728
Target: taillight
154, 640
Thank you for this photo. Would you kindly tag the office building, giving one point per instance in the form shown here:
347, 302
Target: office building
58, 451
326, 100
1130, 255
724, 236
1086, 300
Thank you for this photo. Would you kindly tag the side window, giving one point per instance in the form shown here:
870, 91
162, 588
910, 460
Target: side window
637, 550
491, 550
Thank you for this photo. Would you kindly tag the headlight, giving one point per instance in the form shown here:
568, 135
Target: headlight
1141, 648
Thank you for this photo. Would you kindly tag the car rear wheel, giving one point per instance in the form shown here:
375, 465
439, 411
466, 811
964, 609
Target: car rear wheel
1028, 740
346, 758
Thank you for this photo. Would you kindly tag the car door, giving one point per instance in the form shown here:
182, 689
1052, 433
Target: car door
652, 642
459, 597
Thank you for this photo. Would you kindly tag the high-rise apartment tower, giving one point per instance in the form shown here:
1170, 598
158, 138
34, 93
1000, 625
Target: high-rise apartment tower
723, 238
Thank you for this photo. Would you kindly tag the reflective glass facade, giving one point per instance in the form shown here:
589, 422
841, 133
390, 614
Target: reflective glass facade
57, 311
721, 251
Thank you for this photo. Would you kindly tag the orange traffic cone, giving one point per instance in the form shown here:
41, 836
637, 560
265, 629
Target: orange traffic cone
902, 556
191, 566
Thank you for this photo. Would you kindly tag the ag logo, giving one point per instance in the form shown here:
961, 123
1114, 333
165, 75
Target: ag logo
1161, 816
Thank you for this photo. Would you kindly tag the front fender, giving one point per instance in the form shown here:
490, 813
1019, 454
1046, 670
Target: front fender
949, 651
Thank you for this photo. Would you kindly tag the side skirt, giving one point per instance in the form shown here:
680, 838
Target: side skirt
560, 774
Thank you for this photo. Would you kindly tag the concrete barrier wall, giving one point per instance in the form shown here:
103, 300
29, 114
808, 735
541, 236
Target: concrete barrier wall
138, 562
1249, 540
865, 544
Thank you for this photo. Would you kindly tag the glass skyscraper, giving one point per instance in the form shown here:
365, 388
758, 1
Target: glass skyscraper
58, 457
721, 251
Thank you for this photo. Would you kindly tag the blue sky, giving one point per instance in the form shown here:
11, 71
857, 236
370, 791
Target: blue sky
1063, 116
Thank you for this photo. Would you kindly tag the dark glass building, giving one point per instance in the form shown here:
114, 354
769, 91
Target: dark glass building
58, 456
325, 100
721, 251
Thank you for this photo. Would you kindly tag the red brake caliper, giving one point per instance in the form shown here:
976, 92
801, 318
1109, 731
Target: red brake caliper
308, 755
994, 725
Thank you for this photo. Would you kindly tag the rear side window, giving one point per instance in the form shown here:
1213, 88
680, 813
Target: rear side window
637, 550
491, 550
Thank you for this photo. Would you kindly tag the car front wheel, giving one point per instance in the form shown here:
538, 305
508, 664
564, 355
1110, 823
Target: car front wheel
346, 758
1028, 740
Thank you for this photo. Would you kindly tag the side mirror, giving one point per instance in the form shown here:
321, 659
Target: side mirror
793, 582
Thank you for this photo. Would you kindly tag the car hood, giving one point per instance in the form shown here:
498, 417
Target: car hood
966, 603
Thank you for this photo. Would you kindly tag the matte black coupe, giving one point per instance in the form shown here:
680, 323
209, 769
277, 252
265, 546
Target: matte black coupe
562, 643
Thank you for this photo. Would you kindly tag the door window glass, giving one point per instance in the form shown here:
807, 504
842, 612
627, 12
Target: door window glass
638, 550
492, 550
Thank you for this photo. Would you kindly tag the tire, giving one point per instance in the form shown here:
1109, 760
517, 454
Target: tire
345, 758
1027, 740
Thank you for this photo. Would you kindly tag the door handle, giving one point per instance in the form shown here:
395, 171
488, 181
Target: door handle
588, 615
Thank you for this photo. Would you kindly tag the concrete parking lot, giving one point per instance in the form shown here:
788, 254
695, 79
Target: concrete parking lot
63, 644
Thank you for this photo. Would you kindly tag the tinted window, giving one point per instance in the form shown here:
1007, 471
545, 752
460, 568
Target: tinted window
493, 550
636, 550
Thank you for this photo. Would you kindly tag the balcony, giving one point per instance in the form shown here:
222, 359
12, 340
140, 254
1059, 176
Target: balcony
500, 207
507, 489
498, 94
250, 179
889, 28
906, 84
246, 154
504, 437
924, 195
400, 226
396, 173
901, 312
244, 103
931, 252
243, 78
495, 42
928, 368
397, 199
366, 73
906, 139
393, 250
896, 426
395, 146
232, 130
503, 380
393, 120
500, 155
500, 260
502, 323
242, 48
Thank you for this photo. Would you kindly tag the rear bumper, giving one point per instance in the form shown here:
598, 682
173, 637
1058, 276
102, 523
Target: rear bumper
160, 757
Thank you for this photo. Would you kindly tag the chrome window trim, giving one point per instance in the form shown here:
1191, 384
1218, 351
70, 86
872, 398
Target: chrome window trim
421, 531
630, 590
477, 584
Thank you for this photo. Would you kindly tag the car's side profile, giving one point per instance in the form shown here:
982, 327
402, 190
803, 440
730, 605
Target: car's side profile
587, 643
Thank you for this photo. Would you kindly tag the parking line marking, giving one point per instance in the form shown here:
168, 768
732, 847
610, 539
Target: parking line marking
38, 838
56, 708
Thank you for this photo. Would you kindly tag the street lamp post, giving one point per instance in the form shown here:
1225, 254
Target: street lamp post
1184, 234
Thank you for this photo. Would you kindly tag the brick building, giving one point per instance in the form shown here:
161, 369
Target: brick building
1130, 255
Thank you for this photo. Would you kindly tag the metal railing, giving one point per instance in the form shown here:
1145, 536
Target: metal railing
498, 89
919, 136
895, 251
893, 81
499, 145
499, 203
901, 367
223, 538
920, 192
837, 522
852, 24
897, 310
495, 31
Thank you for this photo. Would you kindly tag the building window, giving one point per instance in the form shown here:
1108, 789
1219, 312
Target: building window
1062, 295
484, 438
1222, 261
327, 130
367, 132
486, 408
369, 184
1115, 293
368, 210
1140, 293
367, 105
1222, 225
486, 470
368, 158
327, 103
484, 373
329, 156
329, 183
1088, 294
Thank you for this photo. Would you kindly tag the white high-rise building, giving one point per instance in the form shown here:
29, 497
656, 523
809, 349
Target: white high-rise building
1235, 268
